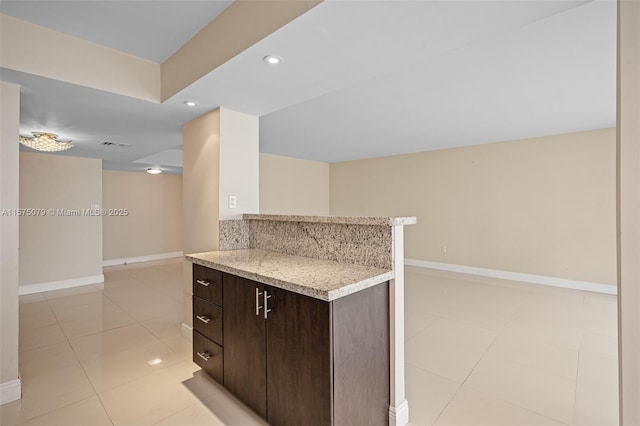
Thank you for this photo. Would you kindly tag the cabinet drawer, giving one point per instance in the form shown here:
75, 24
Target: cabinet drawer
207, 319
208, 356
207, 284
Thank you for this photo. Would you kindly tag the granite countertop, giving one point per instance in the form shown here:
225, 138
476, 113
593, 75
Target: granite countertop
346, 220
321, 279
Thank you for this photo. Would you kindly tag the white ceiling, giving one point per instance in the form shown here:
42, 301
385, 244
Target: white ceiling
149, 29
370, 78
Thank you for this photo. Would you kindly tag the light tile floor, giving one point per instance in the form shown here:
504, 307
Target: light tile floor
479, 352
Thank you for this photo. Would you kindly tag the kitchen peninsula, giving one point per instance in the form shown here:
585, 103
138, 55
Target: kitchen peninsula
301, 317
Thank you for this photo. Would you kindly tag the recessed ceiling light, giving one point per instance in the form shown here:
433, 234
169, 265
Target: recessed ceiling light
154, 170
154, 361
272, 60
190, 103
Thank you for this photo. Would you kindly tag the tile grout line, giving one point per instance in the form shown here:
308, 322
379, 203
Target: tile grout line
518, 406
575, 391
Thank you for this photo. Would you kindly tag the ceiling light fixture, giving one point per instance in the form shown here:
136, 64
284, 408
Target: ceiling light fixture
272, 60
190, 103
154, 170
47, 142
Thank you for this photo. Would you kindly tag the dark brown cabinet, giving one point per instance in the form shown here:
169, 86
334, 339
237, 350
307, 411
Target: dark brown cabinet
298, 360
208, 351
298, 347
245, 371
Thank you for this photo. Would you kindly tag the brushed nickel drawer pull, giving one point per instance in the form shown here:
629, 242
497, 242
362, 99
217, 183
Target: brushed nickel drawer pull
266, 304
203, 282
204, 355
205, 319
258, 307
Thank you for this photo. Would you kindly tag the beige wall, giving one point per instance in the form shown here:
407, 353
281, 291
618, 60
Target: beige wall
153, 224
63, 57
55, 247
629, 210
239, 163
220, 158
200, 173
200, 193
10, 119
293, 186
543, 206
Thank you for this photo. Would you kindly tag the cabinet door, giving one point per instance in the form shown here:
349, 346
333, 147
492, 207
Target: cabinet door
299, 371
244, 342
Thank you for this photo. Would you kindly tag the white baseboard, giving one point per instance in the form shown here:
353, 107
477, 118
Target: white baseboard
10, 391
516, 276
187, 332
148, 258
399, 416
59, 285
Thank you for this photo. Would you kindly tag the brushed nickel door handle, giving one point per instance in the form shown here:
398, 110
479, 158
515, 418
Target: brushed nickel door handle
258, 307
266, 307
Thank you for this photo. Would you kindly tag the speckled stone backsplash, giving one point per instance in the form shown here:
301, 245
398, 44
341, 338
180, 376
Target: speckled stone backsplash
368, 245
234, 234
352, 240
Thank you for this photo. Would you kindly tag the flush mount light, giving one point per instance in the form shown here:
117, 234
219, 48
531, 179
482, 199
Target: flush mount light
272, 60
154, 361
154, 170
47, 142
190, 103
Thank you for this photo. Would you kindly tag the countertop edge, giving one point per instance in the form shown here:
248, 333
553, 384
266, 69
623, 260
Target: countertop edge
327, 296
345, 220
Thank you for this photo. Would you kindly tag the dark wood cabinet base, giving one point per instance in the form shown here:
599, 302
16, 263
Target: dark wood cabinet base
307, 362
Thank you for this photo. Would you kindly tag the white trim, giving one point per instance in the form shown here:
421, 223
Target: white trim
516, 276
187, 332
10, 391
59, 285
138, 259
399, 416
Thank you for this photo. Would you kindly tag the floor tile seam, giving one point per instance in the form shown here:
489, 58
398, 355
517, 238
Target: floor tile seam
65, 308
93, 333
145, 377
458, 321
440, 376
42, 326
549, 343
42, 346
534, 369
179, 359
173, 414
504, 401
600, 355
574, 382
575, 391
104, 331
447, 404
57, 343
61, 322
536, 342
484, 353
55, 409
161, 340
105, 409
